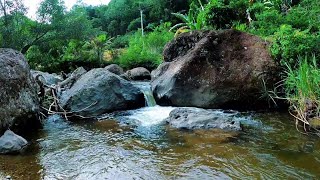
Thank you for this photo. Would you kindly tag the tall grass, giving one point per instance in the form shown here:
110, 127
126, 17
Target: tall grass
302, 86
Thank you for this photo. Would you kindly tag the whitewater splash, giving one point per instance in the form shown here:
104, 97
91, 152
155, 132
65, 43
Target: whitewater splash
149, 116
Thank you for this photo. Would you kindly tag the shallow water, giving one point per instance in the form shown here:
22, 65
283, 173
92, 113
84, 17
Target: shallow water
138, 145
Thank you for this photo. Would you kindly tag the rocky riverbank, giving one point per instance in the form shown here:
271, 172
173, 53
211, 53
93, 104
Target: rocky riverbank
205, 69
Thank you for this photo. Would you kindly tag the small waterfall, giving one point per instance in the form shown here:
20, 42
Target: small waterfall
145, 87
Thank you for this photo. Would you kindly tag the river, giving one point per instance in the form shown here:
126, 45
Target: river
138, 144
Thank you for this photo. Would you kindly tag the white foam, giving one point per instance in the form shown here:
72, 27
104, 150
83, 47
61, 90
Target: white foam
150, 116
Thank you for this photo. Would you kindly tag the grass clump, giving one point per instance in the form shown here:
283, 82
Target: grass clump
302, 86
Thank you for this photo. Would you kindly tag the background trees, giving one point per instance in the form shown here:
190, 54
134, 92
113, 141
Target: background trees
61, 39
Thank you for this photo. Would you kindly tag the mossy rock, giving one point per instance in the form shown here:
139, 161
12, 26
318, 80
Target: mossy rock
315, 122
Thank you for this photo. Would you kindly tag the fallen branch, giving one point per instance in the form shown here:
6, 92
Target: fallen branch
55, 106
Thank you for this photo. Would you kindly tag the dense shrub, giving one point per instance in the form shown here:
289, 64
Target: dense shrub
121, 41
289, 43
145, 51
221, 14
75, 54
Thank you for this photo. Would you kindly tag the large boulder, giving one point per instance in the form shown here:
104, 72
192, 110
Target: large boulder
138, 74
100, 91
10, 143
47, 78
214, 69
196, 118
19, 103
116, 69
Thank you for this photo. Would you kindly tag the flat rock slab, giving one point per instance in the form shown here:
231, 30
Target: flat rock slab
196, 118
10, 143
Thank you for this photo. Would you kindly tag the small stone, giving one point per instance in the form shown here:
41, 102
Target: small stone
119, 130
8, 177
10, 143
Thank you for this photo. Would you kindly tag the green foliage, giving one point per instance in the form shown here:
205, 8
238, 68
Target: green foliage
194, 20
303, 82
135, 24
145, 51
121, 16
120, 41
220, 14
289, 43
240, 26
303, 91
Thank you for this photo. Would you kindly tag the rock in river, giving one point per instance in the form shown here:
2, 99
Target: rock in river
215, 69
19, 102
10, 143
139, 73
196, 118
116, 69
100, 91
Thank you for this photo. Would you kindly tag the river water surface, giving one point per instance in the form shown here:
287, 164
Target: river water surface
139, 145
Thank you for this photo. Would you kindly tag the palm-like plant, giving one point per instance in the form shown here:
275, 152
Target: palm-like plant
99, 44
194, 20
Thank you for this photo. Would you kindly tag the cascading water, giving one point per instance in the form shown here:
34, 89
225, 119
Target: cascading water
146, 90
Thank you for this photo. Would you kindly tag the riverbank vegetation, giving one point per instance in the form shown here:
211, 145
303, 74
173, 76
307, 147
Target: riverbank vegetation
133, 33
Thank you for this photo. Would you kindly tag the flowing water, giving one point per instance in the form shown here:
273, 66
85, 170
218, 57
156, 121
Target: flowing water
137, 144
148, 96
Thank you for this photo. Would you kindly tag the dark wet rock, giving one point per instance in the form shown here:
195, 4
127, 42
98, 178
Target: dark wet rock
215, 69
72, 78
10, 143
100, 91
124, 76
196, 118
139, 73
114, 68
160, 70
19, 103
47, 78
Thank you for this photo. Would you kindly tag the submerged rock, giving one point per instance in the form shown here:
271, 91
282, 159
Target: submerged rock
196, 118
10, 143
215, 69
116, 69
19, 103
100, 91
139, 73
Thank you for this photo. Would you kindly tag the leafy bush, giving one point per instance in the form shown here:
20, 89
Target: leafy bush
145, 51
220, 14
267, 23
194, 20
121, 41
289, 43
76, 53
